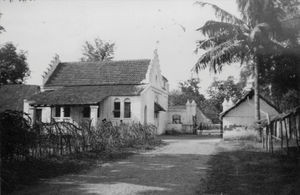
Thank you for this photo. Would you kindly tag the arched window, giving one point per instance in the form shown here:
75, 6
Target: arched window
176, 119
117, 108
127, 108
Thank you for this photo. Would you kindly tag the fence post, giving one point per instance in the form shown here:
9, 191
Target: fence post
281, 134
221, 128
295, 128
287, 138
273, 125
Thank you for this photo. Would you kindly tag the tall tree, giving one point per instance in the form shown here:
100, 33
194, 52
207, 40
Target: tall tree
221, 89
246, 39
13, 65
98, 51
189, 89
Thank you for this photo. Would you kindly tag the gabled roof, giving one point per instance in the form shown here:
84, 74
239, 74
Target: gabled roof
83, 95
99, 73
250, 94
12, 96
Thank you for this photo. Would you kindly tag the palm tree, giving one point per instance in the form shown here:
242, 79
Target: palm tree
245, 40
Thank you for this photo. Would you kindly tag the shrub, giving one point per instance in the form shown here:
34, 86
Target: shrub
15, 135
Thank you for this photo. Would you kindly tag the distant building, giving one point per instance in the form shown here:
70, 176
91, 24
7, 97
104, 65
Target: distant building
184, 118
242, 113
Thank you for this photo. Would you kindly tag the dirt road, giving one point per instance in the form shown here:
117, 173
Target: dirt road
172, 169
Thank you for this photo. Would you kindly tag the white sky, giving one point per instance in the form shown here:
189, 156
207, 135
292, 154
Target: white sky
46, 27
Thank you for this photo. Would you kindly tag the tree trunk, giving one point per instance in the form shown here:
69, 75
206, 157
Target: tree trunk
256, 94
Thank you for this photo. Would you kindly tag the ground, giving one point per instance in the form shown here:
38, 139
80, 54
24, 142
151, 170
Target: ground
175, 168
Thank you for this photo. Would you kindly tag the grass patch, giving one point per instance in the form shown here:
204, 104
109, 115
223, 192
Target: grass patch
249, 170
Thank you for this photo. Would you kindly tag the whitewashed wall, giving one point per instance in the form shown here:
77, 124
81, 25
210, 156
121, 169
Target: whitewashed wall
107, 107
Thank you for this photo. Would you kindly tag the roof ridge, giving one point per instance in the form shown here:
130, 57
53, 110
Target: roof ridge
100, 62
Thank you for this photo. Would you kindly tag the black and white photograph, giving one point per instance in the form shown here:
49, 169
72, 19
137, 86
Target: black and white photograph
146, 97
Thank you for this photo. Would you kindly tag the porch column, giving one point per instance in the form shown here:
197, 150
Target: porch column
94, 115
33, 115
62, 112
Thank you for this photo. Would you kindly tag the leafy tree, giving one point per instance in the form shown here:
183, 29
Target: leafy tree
98, 51
219, 90
13, 65
279, 78
188, 90
247, 39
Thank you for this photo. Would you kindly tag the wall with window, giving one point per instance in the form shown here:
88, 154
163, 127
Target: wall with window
121, 108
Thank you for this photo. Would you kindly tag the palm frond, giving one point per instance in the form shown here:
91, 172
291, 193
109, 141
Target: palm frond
213, 41
227, 52
1, 29
222, 14
211, 28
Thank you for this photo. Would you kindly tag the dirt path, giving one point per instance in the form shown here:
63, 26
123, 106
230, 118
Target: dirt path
173, 169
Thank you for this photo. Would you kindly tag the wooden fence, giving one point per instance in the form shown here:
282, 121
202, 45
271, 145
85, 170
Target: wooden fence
283, 128
59, 138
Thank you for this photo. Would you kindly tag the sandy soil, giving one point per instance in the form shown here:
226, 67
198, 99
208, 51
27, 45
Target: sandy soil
176, 168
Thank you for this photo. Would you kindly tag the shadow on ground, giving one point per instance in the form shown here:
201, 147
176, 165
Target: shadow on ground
143, 174
166, 170
251, 172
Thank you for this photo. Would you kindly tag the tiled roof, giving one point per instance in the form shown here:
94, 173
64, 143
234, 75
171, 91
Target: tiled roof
12, 96
83, 95
250, 94
99, 73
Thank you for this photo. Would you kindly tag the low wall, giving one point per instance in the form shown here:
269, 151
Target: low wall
183, 128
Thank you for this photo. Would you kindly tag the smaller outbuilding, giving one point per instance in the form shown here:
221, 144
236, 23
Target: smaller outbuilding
241, 114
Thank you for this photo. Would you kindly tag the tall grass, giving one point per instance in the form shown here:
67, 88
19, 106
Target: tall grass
107, 137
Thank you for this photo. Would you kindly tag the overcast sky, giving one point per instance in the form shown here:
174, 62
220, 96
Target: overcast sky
46, 27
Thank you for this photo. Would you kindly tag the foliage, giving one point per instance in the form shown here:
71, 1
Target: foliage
13, 65
15, 135
189, 90
257, 34
237, 40
107, 137
98, 51
20, 140
219, 90
290, 100
47, 149
280, 78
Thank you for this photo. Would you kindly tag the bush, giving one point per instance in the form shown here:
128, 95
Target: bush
15, 135
241, 134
